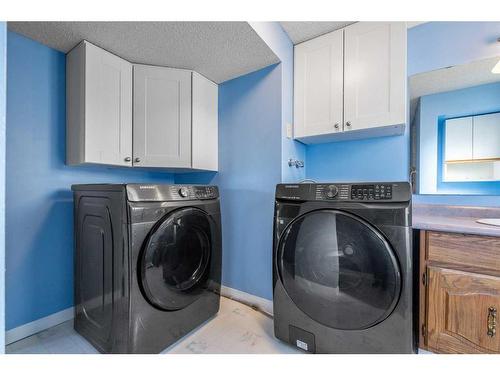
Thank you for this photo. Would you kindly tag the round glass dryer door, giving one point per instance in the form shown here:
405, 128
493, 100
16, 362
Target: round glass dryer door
339, 270
175, 261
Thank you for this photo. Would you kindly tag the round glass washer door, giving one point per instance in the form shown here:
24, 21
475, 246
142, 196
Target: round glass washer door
175, 261
339, 270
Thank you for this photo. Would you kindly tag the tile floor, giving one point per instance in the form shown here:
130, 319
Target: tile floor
236, 329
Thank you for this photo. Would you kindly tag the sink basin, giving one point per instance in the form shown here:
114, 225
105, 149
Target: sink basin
495, 222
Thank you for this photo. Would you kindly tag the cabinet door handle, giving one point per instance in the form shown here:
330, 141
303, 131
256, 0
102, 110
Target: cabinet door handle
336, 126
128, 158
348, 124
492, 321
137, 160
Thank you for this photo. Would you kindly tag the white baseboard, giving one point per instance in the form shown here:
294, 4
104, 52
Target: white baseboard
28, 329
247, 298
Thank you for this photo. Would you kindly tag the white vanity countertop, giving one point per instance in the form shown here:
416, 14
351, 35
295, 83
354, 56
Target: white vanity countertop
459, 219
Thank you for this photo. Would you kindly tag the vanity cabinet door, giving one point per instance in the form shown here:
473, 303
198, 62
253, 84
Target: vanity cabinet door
375, 75
318, 85
162, 117
458, 139
463, 312
487, 136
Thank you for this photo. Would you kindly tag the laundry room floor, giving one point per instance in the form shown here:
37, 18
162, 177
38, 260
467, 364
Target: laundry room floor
237, 329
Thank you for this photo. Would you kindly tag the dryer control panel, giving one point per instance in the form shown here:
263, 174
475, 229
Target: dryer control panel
153, 192
373, 192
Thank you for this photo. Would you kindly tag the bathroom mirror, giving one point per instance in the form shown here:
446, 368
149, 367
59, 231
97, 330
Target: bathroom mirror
455, 129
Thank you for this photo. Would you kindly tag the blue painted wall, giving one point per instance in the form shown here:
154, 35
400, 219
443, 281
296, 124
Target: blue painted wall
376, 159
276, 38
433, 111
3, 99
436, 45
39, 216
250, 144
249, 169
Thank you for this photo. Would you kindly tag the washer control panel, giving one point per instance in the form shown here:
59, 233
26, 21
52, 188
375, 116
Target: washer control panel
371, 192
357, 192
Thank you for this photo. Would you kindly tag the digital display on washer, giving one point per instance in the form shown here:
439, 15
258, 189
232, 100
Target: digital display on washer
371, 192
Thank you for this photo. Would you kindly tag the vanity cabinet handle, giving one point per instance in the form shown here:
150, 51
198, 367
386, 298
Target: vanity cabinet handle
137, 160
492, 321
336, 126
348, 124
128, 158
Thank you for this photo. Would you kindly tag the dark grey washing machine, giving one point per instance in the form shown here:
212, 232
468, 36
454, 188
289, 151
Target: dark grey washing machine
342, 268
147, 263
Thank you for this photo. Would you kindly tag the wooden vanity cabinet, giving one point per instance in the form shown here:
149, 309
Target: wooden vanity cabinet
459, 293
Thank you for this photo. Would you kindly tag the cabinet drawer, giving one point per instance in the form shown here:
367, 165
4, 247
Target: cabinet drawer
463, 312
469, 252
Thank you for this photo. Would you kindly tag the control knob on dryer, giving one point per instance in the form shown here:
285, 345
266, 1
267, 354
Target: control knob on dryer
183, 192
331, 191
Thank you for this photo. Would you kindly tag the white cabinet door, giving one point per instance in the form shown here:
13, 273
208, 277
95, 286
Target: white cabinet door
162, 117
99, 104
487, 136
458, 139
318, 85
374, 75
205, 124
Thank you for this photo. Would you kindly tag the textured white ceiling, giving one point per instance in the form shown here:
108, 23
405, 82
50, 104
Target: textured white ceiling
218, 50
453, 78
302, 31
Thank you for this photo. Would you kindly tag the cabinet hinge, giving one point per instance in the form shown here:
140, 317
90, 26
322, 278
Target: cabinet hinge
424, 278
424, 330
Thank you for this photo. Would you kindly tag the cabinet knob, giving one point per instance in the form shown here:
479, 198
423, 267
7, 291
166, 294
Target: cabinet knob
348, 124
336, 126
128, 158
137, 160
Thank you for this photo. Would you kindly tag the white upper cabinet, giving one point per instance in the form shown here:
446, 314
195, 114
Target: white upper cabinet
375, 75
318, 85
458, 139
138, 115
351, 83
487, 136
99, 107
162, 117
205, 124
